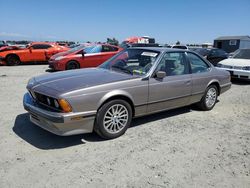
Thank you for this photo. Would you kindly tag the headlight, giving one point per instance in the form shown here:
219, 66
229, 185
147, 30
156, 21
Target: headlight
59, 58
56, 103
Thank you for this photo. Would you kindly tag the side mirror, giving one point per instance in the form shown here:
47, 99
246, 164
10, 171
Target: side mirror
30, 49
161, 74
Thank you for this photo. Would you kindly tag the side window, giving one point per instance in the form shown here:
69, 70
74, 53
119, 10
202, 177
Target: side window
93, 49
197, 64
41, 46
36, 46
108, 48
173, 63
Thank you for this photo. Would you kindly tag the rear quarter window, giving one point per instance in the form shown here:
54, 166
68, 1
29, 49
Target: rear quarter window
197, 64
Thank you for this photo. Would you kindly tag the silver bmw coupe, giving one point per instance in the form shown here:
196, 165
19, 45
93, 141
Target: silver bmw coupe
133, 83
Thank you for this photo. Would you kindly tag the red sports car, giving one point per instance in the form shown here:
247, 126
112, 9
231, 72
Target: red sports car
86, 55
34, 52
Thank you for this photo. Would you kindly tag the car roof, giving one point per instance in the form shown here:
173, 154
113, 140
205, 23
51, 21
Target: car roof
49, 43
161, 49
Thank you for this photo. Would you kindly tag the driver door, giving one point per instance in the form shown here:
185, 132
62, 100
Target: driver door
37, 52
174, 90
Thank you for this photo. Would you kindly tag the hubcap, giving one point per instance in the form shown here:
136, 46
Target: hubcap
72, 66
211, 97
115, 119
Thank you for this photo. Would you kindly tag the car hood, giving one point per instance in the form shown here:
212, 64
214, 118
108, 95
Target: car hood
59, 54
235, 62
67, 81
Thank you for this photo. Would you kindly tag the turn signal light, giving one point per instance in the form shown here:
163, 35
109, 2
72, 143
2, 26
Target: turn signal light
65, 105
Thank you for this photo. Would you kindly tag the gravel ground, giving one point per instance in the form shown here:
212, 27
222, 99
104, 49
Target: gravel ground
179, 148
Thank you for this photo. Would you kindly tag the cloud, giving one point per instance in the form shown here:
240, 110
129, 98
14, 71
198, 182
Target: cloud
6, 34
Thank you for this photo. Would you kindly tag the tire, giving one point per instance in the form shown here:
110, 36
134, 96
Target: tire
113, 119
209, 99
12, 60
72, 65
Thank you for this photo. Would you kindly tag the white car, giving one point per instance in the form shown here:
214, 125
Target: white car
238, 65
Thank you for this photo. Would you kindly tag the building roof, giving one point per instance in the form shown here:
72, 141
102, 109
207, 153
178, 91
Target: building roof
246, 37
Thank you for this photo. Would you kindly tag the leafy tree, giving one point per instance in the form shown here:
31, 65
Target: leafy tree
113, 41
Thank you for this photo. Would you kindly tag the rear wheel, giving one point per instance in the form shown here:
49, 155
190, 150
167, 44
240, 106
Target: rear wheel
13, 60
209, 99
72, 65
113, 119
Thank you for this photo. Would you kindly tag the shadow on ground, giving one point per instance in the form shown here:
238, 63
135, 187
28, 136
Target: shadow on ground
42, 139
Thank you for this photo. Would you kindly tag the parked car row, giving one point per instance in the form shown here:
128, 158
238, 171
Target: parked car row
92, 54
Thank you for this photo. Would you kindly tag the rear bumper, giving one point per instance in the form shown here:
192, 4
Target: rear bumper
63, 124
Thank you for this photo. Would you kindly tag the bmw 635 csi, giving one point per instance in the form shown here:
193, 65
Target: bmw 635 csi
135, 82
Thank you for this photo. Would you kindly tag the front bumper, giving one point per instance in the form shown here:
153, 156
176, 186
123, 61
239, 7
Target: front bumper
63, 124
237, 73
2, 61
55, 65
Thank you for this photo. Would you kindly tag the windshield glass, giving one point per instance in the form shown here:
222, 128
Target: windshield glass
77, 48
242, 54
132, 61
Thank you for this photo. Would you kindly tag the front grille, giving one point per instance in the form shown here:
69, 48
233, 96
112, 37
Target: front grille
47, 101
227, 66
238, 67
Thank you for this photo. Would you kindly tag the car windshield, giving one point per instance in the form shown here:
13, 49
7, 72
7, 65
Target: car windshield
87, 48
132, 61
242, 54
77, 48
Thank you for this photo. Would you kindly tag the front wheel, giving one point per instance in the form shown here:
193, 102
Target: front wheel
209, 99
13, 60
113, 119
72, 65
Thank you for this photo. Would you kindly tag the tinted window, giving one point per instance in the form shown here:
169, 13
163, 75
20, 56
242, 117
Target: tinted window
109, 48
242, 54
41, 46
173, 63
202, 51
217, 52
197, 64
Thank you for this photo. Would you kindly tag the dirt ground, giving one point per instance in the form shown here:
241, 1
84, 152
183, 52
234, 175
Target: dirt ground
179, 148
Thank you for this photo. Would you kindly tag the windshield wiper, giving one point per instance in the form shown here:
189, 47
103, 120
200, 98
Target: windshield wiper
122, 69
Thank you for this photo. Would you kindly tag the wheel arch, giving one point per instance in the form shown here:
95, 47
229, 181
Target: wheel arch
72, 60
12, 54
216, 83
118, 94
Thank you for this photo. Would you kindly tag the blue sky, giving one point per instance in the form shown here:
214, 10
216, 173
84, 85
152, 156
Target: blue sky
189, 21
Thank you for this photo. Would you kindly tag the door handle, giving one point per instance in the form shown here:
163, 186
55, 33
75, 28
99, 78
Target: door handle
188, 82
